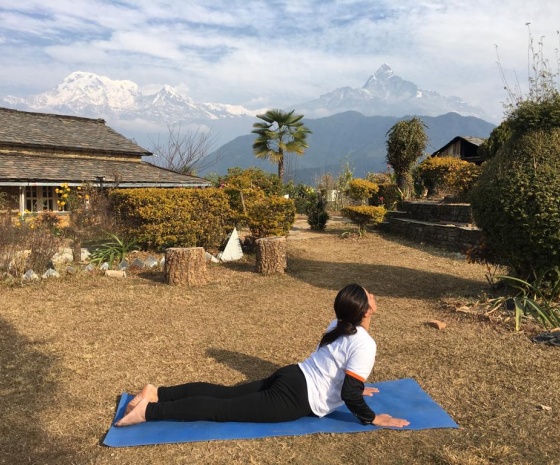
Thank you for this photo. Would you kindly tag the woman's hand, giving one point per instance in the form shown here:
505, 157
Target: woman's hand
387, 420
370, 391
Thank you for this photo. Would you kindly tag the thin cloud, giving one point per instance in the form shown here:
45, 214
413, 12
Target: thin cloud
275, 52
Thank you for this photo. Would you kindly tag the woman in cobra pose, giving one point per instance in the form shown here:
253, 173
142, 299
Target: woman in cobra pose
331, 376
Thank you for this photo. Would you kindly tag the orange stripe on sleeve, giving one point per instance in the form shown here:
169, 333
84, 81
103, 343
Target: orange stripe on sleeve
354, 375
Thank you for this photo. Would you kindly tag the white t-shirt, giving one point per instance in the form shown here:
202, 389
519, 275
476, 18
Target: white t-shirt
326, 368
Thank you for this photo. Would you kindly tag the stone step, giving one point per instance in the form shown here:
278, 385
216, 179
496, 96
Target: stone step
396, 214
456, 237
434, 211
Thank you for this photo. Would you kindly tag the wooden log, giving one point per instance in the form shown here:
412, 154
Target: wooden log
115, 273
271, 255
185, 266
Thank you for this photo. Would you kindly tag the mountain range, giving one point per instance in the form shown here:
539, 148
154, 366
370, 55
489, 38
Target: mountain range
347, 137
386, 94
146, 118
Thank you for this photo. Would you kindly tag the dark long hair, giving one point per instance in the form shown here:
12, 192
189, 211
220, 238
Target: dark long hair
350, 306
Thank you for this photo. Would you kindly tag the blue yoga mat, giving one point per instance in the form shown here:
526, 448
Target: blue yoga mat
402, 398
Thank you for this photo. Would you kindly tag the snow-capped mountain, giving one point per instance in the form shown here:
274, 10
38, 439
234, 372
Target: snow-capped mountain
386, 94
91, 95
145, 117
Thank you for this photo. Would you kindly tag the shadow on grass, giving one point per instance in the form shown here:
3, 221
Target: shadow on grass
26, 376
155, 276
253, 368
430, 249
381, 279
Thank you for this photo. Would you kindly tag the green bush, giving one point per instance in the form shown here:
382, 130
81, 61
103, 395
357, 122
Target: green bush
317, 215
364, 215
516, 202
270, 216
159, 218
301, 194
389, 195
114, 250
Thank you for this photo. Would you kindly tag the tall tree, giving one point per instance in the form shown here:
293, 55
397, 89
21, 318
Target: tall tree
406, 142
279, 133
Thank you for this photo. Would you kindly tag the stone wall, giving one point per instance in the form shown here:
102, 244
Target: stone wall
439, 212
450, 237
448, 226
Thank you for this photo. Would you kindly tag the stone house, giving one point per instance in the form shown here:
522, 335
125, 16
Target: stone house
465, 148
39, 152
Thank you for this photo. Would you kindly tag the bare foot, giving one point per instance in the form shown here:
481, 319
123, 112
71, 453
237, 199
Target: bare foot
137, 415
149, 391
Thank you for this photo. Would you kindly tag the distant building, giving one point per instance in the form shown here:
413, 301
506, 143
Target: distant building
465, 148
39, 152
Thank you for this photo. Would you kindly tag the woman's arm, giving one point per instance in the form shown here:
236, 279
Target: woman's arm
353, 396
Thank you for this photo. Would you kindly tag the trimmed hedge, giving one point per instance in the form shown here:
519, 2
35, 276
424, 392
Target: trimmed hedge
361, 189
447, 175
270, 216
364, 215
516, 202
183, 217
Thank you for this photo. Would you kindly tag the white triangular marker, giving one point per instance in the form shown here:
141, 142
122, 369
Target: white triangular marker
233, 249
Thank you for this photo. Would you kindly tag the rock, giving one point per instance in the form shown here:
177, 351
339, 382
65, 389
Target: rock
104, 266
90, 268
151, 262
70, 270
124, 265
64, 255
115, 273
437, 324
30, 275
51, 273
138, 263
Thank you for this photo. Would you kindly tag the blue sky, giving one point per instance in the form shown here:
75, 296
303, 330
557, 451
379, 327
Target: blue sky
277, 52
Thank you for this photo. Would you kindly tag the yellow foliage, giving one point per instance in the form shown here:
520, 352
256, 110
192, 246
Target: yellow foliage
361, 189
270, 216
180, 217
364, 215
439, 174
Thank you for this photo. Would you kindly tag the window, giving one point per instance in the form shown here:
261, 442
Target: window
40, 198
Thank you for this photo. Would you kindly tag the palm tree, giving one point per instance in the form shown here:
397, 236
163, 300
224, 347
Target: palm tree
279, 133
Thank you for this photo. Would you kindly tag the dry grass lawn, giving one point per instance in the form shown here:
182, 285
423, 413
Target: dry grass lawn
69, 347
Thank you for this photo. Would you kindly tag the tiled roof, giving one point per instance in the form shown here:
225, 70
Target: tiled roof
16, 168
473, 140
59, 132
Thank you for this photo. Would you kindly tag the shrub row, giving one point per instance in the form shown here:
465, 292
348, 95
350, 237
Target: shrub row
160, 218
447, 175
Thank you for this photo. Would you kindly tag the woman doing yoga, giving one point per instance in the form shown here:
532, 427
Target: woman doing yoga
332, 375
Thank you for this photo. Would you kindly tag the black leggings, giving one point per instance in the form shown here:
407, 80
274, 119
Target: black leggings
280, 397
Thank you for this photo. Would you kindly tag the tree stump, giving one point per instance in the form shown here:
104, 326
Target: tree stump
271, 255
185, 266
